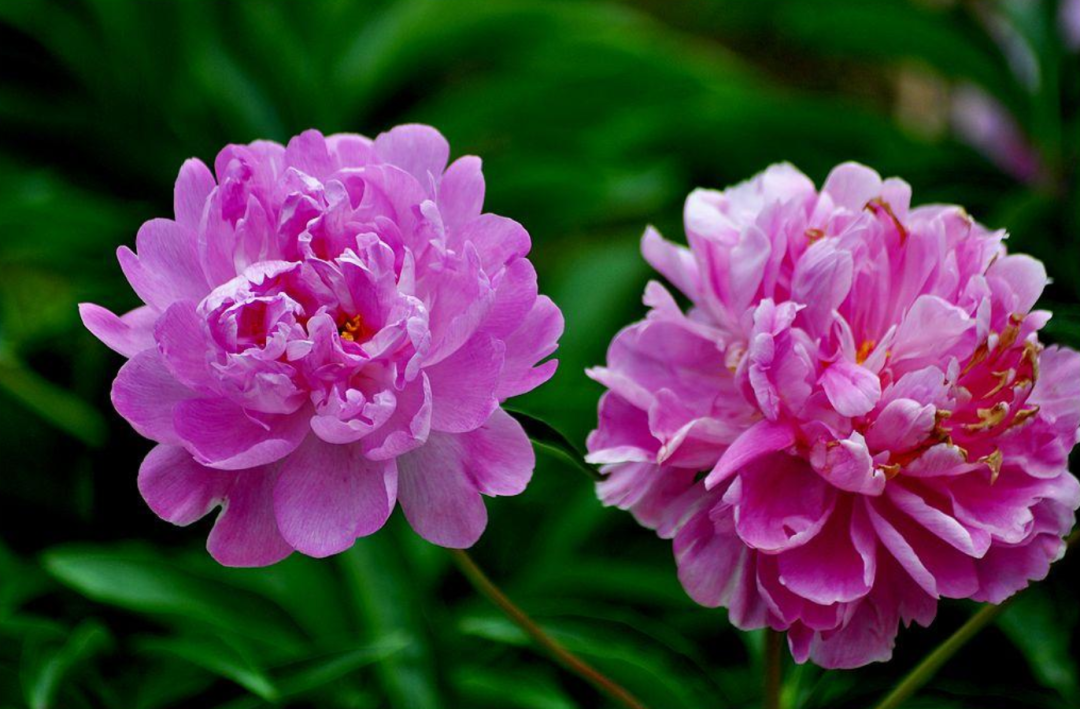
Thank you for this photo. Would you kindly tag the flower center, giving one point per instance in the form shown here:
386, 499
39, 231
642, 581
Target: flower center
865, 349
354, 329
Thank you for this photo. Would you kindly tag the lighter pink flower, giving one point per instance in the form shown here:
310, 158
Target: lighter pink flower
330, 328
855, 417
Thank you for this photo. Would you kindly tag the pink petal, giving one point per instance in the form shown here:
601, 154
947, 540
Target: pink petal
437, 495
498, 456
417, 149
461, 192
177, 488
222, 435
761, 439
193, 187
853, 390
463, 385
775, 522
407, 428
128, 334
166, 268
852, 185
536, 338
146, 395
246, 532
328, 495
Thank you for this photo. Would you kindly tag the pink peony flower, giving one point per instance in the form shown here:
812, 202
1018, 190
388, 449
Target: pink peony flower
853, 419
330, 327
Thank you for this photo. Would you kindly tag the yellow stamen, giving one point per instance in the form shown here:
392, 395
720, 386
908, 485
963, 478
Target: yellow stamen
865, 349
352, 329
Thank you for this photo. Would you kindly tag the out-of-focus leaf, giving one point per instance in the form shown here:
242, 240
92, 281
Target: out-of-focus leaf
387, 605
1042, 630
490, 686
637, 666
45, 666
59, 407
143, 584
545, 436
218, 657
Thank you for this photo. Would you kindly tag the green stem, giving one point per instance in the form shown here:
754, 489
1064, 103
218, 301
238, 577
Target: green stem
926, 669
774, 658
557, 650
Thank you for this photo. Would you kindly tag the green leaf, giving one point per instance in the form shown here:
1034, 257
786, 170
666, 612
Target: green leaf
1043, 630
545, 437
54, 404
46, 667
498, 687
388, 604
217, 657
145, 584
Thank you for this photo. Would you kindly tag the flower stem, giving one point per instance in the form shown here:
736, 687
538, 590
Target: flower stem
563, 656
774, 658
926, 669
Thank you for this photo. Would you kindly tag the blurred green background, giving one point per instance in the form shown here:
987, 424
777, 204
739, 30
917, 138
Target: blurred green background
593, 119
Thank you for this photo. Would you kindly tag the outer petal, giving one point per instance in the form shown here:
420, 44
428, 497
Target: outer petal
193, 187
222, 435
328, 495
463, 385
246, 533
417, 149
535, 339
146, 395
775, 522
177, 488
166, 268
461, 192
128, 334
438, 495
498, 456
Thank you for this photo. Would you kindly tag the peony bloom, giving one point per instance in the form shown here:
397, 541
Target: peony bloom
330, 328
853, 419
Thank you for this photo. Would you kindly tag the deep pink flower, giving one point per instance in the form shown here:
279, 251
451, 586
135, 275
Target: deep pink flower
330, 327
854, 418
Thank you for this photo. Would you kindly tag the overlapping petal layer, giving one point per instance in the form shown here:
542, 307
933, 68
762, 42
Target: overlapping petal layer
853, 418
329, 328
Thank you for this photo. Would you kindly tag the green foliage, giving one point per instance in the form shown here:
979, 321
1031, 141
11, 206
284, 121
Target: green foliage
594, 118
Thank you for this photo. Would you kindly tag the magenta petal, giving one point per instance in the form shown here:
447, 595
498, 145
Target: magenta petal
146, 394
438, 496
328, 495
128, 334
182, 343
166, 268
852, 185
853, 390
193, 187
836, 566
535, 339
222, 435
498, 456
498, 240
461, 192
246, 533
761, 439
420, 150
463, 385
710, 560
675, 263
772, 522
407, 428
177, 488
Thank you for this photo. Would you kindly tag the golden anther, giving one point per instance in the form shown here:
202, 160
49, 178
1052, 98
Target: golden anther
993, 461
891, 470
813, 234
352, 329
865, 349
878, 203
988, 418
1003, 381
1023, 415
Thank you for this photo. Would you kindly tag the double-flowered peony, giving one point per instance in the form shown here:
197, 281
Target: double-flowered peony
329, 328
854, 417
